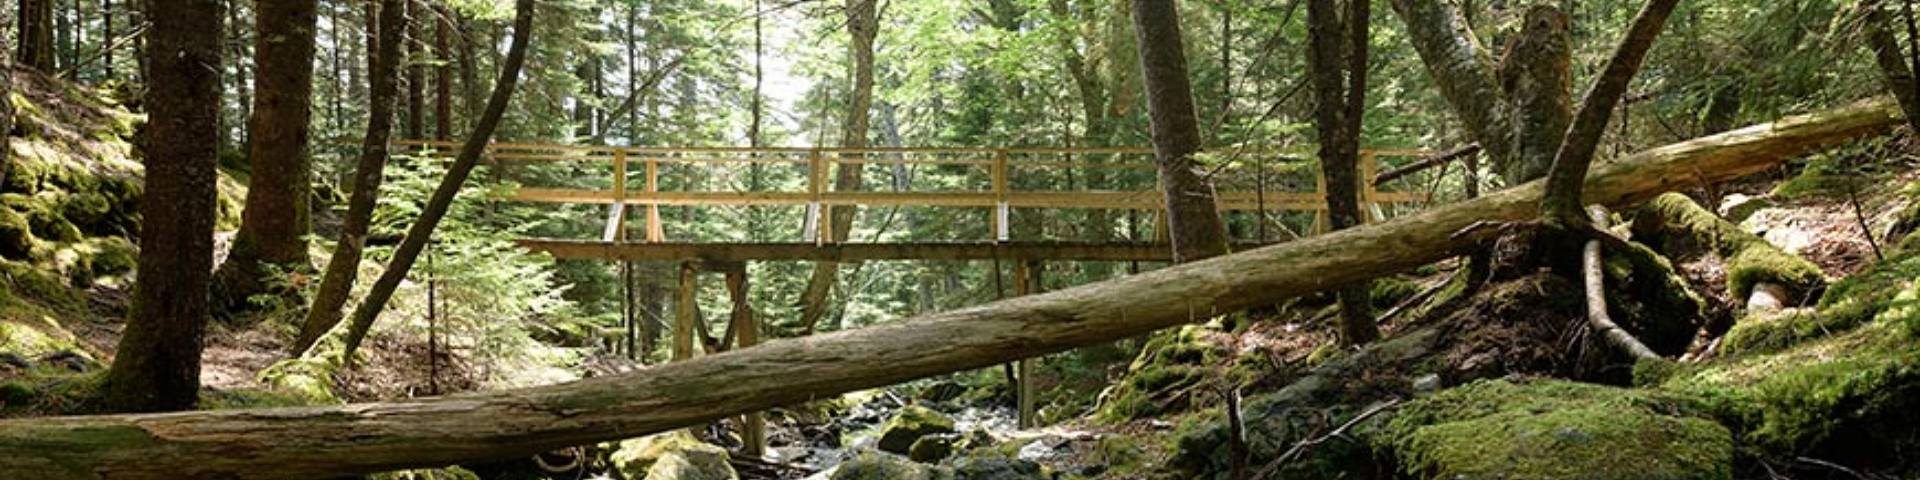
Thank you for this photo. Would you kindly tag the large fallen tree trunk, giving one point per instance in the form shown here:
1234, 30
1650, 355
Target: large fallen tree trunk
322, 442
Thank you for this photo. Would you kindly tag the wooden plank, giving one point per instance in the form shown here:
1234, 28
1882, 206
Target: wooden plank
852, 252
1135, 200
616, 223
1026, 281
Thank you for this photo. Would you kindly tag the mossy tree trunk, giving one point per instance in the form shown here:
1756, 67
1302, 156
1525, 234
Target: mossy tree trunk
318, 442
1337, 64
343, 268
456, 177
275, 223
863, 24
1195, 224
157, 364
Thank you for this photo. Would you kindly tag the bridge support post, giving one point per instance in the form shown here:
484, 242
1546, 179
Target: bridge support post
753, 426
1026, 281
684, 311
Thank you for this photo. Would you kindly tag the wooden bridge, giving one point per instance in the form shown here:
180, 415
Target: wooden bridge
988, 182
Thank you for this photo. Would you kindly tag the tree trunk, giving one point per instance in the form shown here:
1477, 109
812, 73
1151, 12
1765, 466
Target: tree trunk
443, 75
274, 225
157, 364
1197, 231
343, 268
36, 34
319, 442
416, 62
1895, 73
1562, 202
1463, 71
456, 177
863, 23
1337, 59
1537, 76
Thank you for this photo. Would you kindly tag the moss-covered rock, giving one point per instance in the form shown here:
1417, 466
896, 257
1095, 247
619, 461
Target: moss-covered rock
674, 455
1674, 218
909, 426
309, 379
16, 235
997, 468
1545, 429
932, 448
873, 466
1848, 397
1161, 377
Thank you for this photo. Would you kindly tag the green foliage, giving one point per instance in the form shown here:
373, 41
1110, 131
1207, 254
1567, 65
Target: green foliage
1541, 429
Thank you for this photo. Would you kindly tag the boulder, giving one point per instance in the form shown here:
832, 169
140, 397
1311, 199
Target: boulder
874, 466
932, 448
909, 425
674, 455
997, 468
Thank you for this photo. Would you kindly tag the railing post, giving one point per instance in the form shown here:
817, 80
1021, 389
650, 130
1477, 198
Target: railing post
1026, 281
816, 165
655, 231
1368, 165
1001, 212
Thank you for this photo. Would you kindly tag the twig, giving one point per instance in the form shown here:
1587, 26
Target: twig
1302, 446
1853, 200
1426, 163
1408, 304
1835, 466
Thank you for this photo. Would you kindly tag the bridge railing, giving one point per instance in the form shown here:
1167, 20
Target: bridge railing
996, 179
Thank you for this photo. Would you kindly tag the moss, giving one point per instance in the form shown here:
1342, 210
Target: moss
212, 399
909, 425
1772, 331
1555, 429
1846, 396
671, 455
1390, 291
1749, 258
882, 467
1160, 378
51, 391
16, 235
449, 473
308, 379
1823, 175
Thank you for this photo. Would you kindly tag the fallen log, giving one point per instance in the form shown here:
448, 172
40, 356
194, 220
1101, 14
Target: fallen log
333, 441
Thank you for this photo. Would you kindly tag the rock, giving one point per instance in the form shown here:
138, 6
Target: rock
997, 468
909, 425
932, 448
690, 465
887, 467
1555, 429
1427, 383
941, 391
676, 454
1737, 207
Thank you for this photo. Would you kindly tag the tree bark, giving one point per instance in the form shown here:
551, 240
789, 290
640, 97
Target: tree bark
1463, 71
1194, 220
443, 75
343, 268
319, 442
1562, 202
274, 224
416, 62
1336, 58
36, 35
1537, 75
157, 364
1895, 73
863, 24
456, 177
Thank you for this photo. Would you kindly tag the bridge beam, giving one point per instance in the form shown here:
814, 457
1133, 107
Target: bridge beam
855, 252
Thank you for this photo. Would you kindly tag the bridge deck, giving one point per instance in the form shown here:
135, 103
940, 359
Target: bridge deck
854, 252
